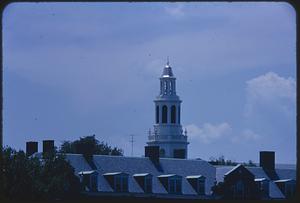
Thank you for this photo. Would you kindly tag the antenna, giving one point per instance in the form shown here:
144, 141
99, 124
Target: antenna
131, 144
167, 60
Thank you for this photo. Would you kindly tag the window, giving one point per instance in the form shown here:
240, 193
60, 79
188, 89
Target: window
164, 114
121, 183
148, 184
198, 183
239, 189
162, 152
172, 183
144, 181
166, 88
290, 188
179, 153
89, 180
178, 185
263, 186
173, 114
157, 114
201, 187
172, 186
118, 181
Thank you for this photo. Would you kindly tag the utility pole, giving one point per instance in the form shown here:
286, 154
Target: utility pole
131, 144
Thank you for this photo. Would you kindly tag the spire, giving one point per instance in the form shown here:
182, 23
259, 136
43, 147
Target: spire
167, 60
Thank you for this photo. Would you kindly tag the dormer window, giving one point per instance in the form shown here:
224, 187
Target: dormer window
172, 183
89, 180
198, 183
287, 187
263, 186
145, 181
118, 181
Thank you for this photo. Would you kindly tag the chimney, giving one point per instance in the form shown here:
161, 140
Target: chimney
31, 148
153, 153
267, 160
48, 146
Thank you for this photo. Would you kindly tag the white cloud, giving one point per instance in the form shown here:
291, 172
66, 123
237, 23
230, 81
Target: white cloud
208, 132
246, 135
270, 91
176, 11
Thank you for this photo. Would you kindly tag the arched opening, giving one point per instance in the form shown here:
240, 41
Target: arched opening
157, 114
165, 88
178, 114
164, 114
173, 114
162, 153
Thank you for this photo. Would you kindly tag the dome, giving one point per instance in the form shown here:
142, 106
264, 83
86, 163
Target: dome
167, 72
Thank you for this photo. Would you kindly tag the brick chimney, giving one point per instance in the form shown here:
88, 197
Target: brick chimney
31, 148
267, 162
153, 153
48, 146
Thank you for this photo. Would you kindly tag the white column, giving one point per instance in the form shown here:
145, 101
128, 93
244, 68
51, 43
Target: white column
160, 113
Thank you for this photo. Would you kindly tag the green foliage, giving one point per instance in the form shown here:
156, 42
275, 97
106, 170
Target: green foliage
28, 178
221, 161
250, 163
88, 146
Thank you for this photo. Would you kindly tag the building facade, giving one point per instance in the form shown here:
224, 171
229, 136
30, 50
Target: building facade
168, 133
165, 172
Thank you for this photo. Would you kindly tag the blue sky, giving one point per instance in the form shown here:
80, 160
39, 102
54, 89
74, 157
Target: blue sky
77, 69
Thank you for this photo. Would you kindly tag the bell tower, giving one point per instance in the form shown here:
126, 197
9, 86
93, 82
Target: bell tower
167, 132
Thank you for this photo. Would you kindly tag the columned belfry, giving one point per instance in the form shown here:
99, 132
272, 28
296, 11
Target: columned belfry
167, 132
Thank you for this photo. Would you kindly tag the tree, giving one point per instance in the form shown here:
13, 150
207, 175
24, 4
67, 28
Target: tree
89, 145
18, 173
59, 177
250, 163
29, 178
221, 161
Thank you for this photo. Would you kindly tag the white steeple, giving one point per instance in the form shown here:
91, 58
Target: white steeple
168, 133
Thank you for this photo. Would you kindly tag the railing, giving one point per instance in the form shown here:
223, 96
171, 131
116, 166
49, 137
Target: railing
169, 137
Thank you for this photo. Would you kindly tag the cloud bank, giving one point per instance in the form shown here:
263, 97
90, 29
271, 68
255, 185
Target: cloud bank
208, 132
270, 91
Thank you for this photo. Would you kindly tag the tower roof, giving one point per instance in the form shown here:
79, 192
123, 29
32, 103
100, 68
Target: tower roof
167, 72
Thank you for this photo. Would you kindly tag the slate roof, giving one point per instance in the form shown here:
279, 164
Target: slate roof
140, 165
259, 173
286, 173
